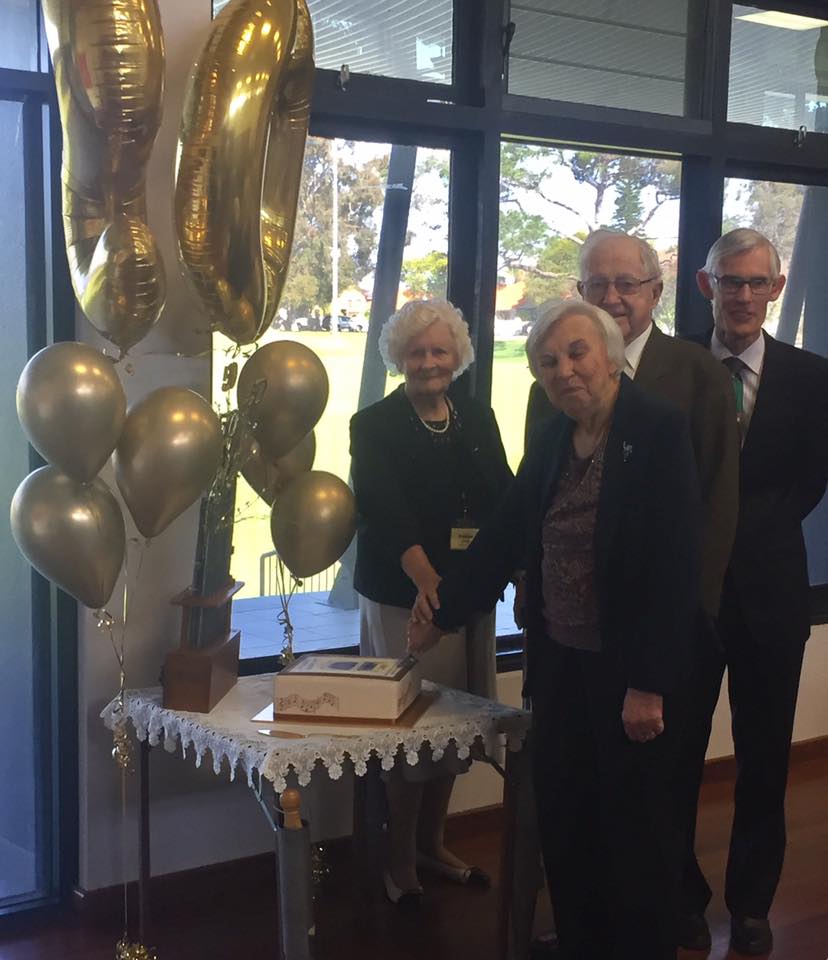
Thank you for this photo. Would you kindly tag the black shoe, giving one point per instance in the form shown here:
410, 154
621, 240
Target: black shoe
750, 936
470, 876
693, 932
399, 897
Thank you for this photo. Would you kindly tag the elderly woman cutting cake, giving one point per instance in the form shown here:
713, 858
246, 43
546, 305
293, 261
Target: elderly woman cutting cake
428, 467
605, 512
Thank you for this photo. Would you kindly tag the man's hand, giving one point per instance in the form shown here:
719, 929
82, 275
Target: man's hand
422, 637
642, 715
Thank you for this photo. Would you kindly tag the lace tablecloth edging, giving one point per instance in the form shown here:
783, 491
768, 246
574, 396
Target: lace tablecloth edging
232, 738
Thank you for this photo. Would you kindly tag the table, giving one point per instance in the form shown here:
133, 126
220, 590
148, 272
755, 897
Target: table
478, 728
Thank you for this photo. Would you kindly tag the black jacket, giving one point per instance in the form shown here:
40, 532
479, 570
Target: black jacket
410, 492
783, 471
646, 542
682, 373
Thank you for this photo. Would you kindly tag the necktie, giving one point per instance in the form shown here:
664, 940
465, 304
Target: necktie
736, 368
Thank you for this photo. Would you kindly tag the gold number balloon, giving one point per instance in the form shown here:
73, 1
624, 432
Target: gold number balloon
239, 161
72, 532
282, 391
72, 407
313, 521
108, 60
169, 451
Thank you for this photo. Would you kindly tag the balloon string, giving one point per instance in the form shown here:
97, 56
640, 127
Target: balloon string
285, 596
124, 849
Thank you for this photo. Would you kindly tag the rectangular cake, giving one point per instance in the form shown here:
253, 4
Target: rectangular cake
325, 686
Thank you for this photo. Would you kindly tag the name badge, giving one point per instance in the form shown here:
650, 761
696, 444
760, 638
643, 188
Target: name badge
461, 537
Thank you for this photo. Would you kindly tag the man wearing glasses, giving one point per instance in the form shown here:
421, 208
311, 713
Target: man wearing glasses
622, 275
782, 410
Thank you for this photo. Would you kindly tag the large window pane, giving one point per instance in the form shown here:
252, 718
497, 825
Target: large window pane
778, 69
330, 314
551, 199
409, 39
795, 217
18, 34
18, 781
618, 54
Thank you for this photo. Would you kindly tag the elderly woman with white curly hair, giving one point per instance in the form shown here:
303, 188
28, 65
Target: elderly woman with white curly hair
428, 468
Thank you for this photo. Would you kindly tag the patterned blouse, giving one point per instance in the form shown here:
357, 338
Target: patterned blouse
569, 596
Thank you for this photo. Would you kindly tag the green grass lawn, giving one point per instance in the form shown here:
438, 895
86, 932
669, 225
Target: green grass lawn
342, 355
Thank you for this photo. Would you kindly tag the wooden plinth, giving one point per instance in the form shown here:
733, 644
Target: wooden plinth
196, 678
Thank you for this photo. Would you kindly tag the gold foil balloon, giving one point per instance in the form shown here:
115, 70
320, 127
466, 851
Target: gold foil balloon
108, 59
269, 477
282, 392
72, 532
239, 162
169, 451
313, 521
72, 407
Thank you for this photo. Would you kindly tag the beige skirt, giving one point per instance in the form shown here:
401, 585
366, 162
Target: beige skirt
464, 660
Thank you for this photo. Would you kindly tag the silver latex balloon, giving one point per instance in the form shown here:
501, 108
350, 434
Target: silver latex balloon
169, 451
312, 522
269, 477
282, 392
73, 533
72, 407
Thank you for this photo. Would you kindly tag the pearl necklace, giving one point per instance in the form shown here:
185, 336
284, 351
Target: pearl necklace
444, 427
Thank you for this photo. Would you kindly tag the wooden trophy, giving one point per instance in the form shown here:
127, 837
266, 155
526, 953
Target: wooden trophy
206, 664
196, 678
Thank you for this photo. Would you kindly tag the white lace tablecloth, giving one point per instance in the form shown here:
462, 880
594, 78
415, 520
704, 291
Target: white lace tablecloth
232, 737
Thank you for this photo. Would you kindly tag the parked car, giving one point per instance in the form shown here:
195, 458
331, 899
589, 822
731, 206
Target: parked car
350, 324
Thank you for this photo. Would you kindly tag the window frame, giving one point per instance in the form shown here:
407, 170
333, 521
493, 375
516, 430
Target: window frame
49, 318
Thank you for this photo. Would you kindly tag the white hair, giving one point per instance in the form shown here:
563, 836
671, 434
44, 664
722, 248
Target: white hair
649, 258
553, 311
740, 241
414, 317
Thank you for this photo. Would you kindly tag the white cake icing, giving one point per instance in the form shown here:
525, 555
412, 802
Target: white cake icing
346, 687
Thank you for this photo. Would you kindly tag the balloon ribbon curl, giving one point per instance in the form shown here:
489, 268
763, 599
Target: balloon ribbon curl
108, 59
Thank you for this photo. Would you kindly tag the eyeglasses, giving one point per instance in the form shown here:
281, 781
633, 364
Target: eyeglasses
730, 285
597, 287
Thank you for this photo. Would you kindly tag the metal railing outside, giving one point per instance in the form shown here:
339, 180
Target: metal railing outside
268, 581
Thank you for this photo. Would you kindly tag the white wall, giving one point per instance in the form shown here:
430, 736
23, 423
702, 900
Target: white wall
197, 817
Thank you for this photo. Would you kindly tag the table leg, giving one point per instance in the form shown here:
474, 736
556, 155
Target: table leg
294, 900
369, 816
520, 874
143, 842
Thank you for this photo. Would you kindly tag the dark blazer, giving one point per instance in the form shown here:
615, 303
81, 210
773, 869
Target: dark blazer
687, 376
646, 542
784, 466
403, 500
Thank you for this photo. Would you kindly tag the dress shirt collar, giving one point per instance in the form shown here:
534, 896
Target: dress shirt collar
634, 349
752, 357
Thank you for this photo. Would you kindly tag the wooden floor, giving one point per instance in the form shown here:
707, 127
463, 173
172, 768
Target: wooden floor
229, 914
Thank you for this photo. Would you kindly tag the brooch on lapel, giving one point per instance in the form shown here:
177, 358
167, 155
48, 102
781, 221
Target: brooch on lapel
626, 451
